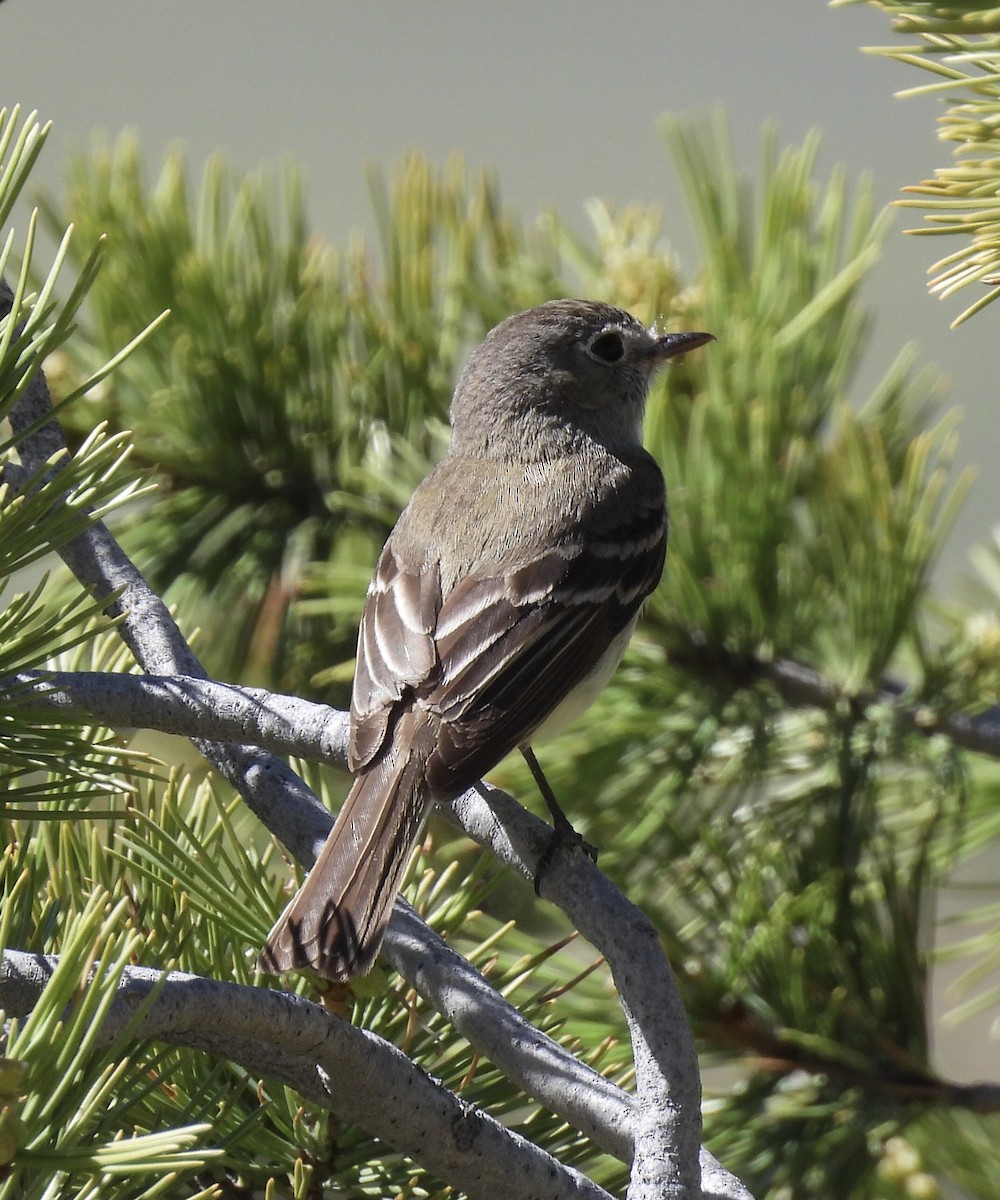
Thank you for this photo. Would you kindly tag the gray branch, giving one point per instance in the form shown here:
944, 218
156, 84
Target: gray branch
667, 1126
193, 707
531, 1060
539, 1066
979, 732
283, 1036
269, 786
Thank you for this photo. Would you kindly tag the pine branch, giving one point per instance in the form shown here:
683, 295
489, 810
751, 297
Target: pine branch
197, 707
961, 48
286, 724
805, 687
151, 633
290, 725
190, 706
283, 1036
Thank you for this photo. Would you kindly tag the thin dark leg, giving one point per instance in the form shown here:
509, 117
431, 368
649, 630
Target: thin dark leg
563, 832
559, 818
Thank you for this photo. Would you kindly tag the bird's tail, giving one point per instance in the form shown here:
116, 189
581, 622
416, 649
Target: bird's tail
335, 922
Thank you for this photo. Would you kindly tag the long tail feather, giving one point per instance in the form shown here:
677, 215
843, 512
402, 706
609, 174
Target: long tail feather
336, 920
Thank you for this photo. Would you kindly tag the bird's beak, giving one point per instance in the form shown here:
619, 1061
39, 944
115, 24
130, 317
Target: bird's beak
672, 344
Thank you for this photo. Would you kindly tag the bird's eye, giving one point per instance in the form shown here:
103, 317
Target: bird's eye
608, 346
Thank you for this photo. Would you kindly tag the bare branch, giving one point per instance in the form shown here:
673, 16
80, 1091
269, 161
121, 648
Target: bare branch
189, 706
281, 1035
536, 1064
666, 1064
802, 685
667, 1130
266, 783
539, 1066
532, 1061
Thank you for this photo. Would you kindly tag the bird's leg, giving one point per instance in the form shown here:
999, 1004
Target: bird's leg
563, 832
559, 818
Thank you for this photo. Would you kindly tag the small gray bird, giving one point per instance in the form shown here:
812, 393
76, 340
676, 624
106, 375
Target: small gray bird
502, 602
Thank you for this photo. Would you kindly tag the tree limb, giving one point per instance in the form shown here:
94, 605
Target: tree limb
668, 1088
529, 1058
535, 1063
978, 732
667, 1126
283, 1036
266, 783
194, 707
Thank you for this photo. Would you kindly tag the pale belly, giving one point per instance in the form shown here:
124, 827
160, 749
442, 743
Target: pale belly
587, 691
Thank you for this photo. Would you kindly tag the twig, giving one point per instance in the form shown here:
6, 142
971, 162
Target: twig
266, 783
667, 1129
189, 706
540, 1067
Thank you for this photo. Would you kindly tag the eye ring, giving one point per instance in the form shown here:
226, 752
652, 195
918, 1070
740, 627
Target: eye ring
608, 346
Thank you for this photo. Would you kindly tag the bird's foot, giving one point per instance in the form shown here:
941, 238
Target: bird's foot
563, 836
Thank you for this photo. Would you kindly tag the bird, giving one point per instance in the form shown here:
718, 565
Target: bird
501, 603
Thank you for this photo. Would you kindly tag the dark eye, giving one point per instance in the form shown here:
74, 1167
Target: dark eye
608, 347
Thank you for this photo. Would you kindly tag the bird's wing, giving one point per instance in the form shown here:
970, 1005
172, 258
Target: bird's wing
495, 656
493, 700
396, 650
